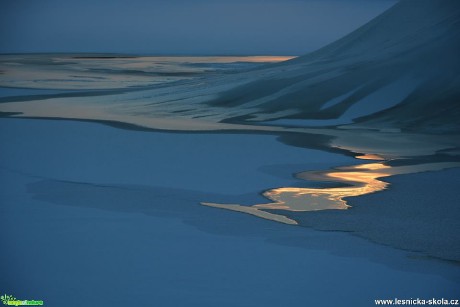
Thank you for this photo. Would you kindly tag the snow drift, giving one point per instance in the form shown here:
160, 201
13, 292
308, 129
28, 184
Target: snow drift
399, 70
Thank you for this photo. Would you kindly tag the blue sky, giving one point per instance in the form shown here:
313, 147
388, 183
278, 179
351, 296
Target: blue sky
284, 27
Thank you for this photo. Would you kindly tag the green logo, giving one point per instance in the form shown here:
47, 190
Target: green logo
6, 298
12, 301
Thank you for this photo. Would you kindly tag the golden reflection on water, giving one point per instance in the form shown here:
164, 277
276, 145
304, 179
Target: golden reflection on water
360, 180
370, 157
354, 181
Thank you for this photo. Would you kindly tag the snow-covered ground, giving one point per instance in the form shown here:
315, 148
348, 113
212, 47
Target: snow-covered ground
113, 215
97, 215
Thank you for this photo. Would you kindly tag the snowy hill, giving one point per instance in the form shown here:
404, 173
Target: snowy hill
400, 70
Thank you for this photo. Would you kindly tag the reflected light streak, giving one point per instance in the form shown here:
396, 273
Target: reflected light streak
371, 157
355, 181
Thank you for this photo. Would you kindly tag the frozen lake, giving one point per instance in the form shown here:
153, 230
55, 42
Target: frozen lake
98, 215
